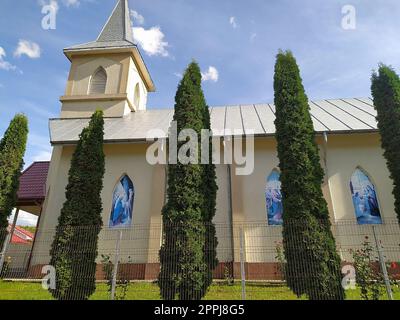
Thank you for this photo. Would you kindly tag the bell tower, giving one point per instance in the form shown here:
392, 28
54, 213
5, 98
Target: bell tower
108, 73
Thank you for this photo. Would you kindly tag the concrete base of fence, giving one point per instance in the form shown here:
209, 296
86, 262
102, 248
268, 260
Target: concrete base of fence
149, 271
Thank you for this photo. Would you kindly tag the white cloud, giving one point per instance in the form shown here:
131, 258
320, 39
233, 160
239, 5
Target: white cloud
211, 74
41, 146
43, 155
25, 219
151, 40
52, 3
5, 65
137, 18
2, 53
233, 23
178, 75
28, 48
73, 3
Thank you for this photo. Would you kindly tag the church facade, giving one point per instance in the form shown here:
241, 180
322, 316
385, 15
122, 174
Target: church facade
110, 74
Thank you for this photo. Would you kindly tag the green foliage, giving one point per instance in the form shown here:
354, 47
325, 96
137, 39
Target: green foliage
386, 94
313, 265
188, 254
228, 274
6, 267
280, 257
122, 282
74, 249
12, 150
368, 278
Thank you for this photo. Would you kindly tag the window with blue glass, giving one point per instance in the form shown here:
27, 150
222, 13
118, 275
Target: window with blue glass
273, 198
122, 203
365, 199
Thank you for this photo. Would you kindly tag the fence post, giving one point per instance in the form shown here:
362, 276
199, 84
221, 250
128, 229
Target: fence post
383, 266
116, 262
4, 251
242, 269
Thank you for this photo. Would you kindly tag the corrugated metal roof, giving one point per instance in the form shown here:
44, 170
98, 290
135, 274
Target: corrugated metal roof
345, 115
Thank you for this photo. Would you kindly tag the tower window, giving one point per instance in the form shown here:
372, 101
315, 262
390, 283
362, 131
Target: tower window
98, 82
137, 95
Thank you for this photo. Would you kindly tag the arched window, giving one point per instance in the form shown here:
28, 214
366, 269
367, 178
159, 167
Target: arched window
137, 95
365, 200
273, 198
98, 82
122, 203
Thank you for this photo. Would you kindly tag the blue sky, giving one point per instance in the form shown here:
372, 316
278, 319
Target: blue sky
237, 39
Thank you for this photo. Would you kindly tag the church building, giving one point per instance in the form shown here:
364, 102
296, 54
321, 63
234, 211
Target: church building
110, 74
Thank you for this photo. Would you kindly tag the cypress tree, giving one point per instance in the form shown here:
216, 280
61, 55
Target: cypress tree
386, 94
74, 249
210, 189
12, 150
187, 255
313, 265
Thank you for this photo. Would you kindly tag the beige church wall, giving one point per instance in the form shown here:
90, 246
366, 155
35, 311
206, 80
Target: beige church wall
149, 182
142, 242
82, 69
249, 206
345, 154
85, 109
78, 103
135, 78
222, 219
55, 196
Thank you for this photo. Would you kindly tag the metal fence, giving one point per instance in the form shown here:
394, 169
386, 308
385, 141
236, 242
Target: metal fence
251, 262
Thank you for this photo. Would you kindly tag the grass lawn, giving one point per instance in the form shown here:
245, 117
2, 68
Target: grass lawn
149, 291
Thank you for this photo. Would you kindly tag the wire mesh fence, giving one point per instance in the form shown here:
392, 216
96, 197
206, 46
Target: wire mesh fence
127, 264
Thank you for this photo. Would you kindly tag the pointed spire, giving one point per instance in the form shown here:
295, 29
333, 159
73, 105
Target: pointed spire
116, 33
118, 26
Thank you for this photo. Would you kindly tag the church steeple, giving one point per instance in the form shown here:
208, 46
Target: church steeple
116, 33
118, 26
108, 73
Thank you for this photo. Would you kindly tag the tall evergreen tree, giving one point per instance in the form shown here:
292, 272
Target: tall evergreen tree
188, 253
12, 150
74, 249
386, 94
313, 265
210, 189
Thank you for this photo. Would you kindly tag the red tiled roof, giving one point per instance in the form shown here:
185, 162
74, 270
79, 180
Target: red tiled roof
32, 183
21, 236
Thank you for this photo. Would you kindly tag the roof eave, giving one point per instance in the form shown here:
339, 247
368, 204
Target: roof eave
261, 135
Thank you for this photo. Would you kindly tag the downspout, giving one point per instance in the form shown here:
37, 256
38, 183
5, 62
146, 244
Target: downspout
230, 214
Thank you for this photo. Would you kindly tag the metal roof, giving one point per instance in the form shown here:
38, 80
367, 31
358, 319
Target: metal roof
331, 116
32, 182
116, 33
